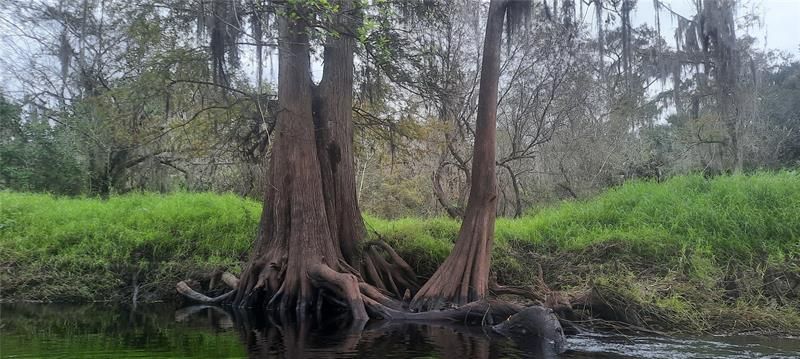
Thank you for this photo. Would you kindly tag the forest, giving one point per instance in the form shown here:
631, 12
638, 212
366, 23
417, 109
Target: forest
447, 160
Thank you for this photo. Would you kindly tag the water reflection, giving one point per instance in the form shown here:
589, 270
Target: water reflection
164, 331
270, 337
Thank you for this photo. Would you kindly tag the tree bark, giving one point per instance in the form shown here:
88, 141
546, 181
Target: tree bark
295, 259
464, 275
333, 117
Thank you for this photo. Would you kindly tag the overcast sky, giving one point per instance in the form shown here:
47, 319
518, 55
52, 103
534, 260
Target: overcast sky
779, 28
780, 20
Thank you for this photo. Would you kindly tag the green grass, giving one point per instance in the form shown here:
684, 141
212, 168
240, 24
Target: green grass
688, 220
49, 243
739, 216
679, 243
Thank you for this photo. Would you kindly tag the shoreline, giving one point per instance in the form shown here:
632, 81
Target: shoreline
690, 254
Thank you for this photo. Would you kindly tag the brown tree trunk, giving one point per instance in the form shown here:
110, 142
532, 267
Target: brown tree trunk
296, 264
464, 275
333, 116
310, 224
295, 259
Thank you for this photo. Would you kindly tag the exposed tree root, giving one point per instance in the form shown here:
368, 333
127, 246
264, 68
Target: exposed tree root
533, 328
365, 301
187, 291
540, 293
346, 292
393, 275
344, 285
229, 279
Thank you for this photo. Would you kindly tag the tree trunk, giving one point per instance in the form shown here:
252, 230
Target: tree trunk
721, 28
333, 116
295, 260
517, 190
436, 178
464, 275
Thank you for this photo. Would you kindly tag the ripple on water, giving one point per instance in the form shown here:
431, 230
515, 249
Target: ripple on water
731, 347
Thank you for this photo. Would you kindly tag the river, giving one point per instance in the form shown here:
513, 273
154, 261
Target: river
165, 331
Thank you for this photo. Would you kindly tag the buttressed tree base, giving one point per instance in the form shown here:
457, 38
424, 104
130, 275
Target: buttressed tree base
305, 255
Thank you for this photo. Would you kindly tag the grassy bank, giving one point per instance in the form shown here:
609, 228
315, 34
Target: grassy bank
719, 254
90, 249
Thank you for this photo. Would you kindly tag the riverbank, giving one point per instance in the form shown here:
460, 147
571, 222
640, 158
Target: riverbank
690, 254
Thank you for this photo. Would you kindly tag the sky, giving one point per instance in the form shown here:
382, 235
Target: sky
780, 21
779, 28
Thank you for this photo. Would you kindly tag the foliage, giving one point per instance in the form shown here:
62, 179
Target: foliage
35, 156
783, 110
125, 96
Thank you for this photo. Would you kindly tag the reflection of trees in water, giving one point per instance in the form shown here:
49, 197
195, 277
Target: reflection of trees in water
456, 342
155, 327
451, 340
37, 330
69, 320
269, 337
217, 317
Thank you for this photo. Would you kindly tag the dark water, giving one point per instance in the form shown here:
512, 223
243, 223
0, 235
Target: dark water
161, 331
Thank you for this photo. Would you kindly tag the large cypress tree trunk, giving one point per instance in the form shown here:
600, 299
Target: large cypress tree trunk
305, 250
464, 275
333, 116
296, 263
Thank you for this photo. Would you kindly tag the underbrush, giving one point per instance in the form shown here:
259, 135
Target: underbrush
691, 253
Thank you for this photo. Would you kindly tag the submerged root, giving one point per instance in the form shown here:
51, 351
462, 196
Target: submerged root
364, 301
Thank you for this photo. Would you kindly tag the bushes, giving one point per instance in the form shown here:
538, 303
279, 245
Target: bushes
36, 156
